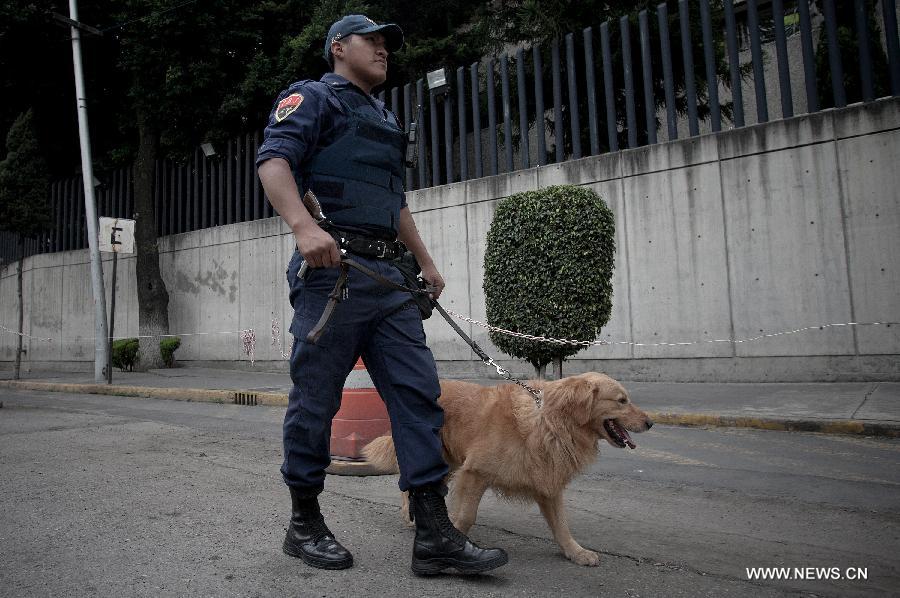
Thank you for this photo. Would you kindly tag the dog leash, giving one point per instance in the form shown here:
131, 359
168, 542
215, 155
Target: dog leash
338, 294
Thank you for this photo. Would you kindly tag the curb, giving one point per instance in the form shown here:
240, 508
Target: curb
249, 397
203, 395
833, 426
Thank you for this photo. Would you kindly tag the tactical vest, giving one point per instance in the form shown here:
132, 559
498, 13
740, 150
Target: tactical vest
358, 178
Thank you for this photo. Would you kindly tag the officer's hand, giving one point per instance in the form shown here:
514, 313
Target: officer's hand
433, 278
318, 248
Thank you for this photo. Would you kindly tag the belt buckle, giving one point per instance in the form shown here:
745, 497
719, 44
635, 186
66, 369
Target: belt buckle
384, 249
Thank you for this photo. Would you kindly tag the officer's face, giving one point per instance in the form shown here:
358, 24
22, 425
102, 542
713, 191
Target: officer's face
365, 57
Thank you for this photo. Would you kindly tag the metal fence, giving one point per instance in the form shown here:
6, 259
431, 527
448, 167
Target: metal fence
639, 80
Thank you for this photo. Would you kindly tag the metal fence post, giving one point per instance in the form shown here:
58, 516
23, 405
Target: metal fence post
712, 82
574, 123
539, 106
611, 123
630, 115
476, 120
557, 102
687, 54
662, 14
523, 108
734, 65
784, 73
587, 36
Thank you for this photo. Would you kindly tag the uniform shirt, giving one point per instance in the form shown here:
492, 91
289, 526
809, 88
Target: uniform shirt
317, 122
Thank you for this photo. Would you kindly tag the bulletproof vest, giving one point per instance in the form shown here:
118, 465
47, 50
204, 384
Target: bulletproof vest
358, 178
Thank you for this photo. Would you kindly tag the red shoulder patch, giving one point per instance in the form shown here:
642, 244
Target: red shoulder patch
287, 106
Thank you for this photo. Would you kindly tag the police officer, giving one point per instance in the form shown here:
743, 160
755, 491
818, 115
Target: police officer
332, 137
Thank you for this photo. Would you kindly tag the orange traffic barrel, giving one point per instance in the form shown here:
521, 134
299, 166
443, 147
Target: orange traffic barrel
361, 419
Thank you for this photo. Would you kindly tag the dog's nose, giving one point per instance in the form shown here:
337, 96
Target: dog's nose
649, 423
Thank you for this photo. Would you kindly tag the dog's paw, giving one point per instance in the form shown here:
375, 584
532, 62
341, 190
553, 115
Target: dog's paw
585, 557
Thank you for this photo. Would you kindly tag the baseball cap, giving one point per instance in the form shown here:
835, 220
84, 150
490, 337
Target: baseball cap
361, 24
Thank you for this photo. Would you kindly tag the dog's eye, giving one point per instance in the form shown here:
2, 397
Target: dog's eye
622, 400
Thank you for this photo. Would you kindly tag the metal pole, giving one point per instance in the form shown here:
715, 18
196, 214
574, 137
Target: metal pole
101, 352
112, 318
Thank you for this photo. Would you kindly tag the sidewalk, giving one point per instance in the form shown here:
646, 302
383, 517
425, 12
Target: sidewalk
868, 408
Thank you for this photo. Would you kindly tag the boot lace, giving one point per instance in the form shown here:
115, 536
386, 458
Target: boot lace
436, 506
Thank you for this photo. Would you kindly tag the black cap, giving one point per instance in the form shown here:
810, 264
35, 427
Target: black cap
360, 24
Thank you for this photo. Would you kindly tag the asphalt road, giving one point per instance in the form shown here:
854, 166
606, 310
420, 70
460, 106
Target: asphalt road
109, 496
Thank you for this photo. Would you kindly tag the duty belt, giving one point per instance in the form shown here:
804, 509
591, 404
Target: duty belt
369, 247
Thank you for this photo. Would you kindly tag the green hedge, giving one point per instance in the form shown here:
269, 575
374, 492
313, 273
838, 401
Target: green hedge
125, 354
167, 348
548, 270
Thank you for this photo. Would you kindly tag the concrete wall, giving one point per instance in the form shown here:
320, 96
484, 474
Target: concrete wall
759, 230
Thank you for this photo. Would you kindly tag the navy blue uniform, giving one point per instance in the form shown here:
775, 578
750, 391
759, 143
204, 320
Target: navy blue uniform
347, 147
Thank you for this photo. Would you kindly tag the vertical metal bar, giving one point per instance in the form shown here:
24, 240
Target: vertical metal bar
476, 119
759, 77
540, 129
119, 211
229, 183
507, 117
181, 209
420, 117
54, 198
80, 221
221, 191
461, 118
395, 101
448, 137
834, 55
611, 122
734, 65
630, 113
407, 120
662, 13
157, 207
687, 55
889, 11
195, 192
647, 72
240, 207
784, 73
259, 194
712, 82
523, 109
204, 190
248, 178
590, 80
574, 123
435, 141
492, 118
557, 102
809, 57
174, 203
67, 227
865, 56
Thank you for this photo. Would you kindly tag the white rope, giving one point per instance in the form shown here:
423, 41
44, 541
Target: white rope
562, 341
248, 336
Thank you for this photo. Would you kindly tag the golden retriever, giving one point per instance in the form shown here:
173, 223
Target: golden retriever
496, 437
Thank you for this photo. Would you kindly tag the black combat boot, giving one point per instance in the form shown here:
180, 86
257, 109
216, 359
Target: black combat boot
439, 545
309, 539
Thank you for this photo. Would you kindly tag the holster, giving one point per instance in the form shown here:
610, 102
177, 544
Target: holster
409, 268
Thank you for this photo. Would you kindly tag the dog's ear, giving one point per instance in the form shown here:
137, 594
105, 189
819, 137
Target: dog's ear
571, 397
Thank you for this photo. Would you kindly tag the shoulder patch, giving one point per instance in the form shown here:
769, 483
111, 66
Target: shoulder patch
287, 106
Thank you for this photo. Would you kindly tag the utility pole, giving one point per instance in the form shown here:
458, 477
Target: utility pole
101, 350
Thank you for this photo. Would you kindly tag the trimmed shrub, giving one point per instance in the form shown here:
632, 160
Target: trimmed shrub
548, 270
167, 348
125, 354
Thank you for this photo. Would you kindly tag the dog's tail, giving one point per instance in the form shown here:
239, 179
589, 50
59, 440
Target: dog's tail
381, 455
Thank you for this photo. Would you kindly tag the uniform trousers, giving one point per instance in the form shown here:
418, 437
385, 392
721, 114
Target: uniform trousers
383, 326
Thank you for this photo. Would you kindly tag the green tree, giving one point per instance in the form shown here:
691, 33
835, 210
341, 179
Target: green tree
548, 271
23, 198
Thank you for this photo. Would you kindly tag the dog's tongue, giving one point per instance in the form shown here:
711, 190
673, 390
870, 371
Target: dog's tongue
621, 432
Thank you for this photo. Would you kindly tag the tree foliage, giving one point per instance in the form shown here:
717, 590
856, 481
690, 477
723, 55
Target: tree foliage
24, 185
548, 270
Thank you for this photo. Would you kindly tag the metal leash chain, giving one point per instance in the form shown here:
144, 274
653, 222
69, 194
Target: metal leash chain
486, 359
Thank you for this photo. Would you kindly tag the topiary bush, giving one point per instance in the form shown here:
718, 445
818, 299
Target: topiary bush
548, 271
167, 348
125, 354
